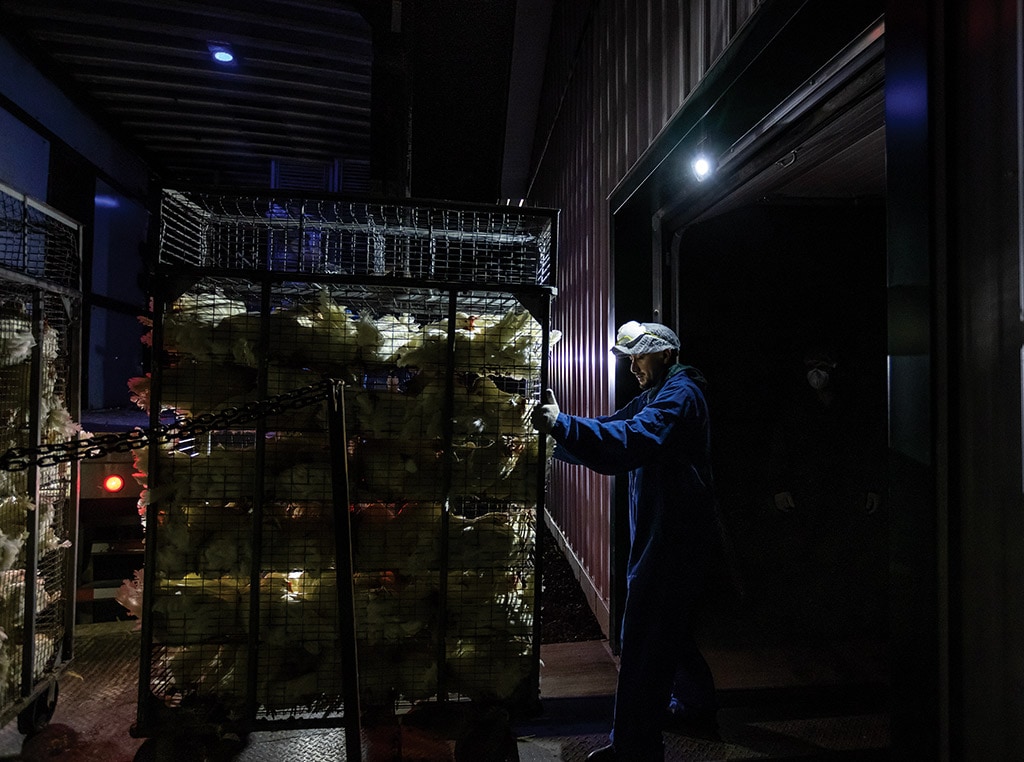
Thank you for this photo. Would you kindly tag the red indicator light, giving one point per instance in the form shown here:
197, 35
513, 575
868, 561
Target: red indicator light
113, 483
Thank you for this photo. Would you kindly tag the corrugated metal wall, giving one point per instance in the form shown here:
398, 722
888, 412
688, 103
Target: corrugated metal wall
617, 72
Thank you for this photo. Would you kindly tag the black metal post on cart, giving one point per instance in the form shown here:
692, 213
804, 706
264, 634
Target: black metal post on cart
343, 570
256, 549
447, 429
32, 541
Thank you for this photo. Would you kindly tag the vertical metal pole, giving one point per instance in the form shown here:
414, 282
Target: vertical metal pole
74, 344
256, 530
540, 533
73, 307
343, 570
145, 709
32, 542
449, 454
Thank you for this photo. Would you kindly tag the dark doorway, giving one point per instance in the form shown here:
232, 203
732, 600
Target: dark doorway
760, 287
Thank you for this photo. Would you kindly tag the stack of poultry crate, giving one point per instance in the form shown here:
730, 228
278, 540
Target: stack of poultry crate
435, 319
40, 310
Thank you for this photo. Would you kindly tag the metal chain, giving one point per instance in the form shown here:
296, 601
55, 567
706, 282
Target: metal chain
97, 446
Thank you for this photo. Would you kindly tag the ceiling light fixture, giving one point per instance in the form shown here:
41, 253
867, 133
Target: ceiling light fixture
702, 167
221, 52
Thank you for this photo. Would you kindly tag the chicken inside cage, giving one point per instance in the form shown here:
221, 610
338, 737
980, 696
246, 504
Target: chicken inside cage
31, 615
443, 474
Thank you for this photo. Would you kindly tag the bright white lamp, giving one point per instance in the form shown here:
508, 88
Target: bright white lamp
702, 167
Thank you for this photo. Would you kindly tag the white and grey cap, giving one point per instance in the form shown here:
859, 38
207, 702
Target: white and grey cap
635, 338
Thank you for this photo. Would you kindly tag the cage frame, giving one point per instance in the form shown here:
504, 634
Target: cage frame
46, 272
171, 278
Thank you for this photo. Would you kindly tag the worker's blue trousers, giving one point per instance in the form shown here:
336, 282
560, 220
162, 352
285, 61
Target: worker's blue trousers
658, 661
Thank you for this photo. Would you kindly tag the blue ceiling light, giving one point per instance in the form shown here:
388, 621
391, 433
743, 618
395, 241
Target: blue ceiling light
221, 52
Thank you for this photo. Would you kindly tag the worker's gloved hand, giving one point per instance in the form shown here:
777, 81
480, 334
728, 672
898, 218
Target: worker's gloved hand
545, 414
784, 502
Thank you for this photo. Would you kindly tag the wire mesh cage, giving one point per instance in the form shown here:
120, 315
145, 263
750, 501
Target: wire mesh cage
40, 310
38, 241
443, 473
464, 244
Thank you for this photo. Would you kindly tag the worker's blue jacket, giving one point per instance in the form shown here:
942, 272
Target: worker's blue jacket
662, 439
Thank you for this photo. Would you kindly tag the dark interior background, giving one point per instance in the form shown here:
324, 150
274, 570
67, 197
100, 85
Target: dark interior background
758, 286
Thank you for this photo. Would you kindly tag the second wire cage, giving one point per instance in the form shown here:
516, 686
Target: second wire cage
435, 320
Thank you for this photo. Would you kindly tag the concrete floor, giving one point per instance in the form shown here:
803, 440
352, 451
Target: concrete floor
777, 704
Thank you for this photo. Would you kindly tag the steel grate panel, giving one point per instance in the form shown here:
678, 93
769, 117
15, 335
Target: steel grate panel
39, 266
17, 340
495, 245
36, 241
55, 504
40, 519
397, 484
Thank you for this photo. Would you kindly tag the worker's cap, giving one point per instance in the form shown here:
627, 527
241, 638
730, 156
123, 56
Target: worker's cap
635, 338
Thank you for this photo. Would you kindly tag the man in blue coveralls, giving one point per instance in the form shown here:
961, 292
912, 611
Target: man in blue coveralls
661, 438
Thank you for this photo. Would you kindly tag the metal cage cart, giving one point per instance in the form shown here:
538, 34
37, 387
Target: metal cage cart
433, 319
40, 311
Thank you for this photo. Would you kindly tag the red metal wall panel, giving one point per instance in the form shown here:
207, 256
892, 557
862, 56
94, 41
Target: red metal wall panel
617, 72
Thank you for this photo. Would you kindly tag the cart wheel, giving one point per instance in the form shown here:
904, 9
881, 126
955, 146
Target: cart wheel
36, 715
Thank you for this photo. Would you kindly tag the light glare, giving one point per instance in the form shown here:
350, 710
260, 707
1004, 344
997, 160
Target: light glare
113, 483
701, 167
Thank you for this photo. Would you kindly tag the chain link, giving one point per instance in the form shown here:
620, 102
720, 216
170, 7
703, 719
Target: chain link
100, 445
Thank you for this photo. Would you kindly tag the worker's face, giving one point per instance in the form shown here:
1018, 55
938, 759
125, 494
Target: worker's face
650, 368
